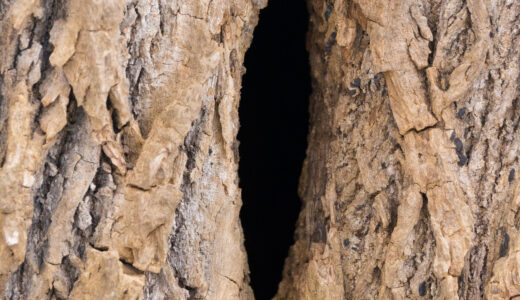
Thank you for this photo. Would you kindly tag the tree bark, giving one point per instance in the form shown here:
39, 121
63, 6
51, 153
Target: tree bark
409, 188
118, 153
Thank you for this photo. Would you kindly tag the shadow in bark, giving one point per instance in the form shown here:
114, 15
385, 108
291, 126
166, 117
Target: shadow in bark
273, 138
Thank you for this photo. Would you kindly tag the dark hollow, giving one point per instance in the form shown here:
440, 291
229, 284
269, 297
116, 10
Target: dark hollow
273, 139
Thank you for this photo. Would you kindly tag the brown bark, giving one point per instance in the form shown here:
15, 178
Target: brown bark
118, 153
409, 186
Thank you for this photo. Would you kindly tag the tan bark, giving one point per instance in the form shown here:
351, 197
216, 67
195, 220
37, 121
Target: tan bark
118, 152
409, 185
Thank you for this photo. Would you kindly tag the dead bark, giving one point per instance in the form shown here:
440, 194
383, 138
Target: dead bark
117, 147
409, 186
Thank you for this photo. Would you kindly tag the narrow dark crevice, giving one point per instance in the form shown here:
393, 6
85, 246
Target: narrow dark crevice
273, 139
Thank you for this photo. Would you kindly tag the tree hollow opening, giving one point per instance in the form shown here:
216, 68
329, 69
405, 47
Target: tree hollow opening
273, 139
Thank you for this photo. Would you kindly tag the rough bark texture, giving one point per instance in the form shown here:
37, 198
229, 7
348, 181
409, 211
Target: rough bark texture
118, 155
117, 148
409, 186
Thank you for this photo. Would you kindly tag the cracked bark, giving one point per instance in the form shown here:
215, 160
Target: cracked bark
118, 124
118, 161
409, 186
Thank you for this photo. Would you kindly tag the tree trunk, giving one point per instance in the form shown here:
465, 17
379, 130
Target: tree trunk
409, 186
117, 148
